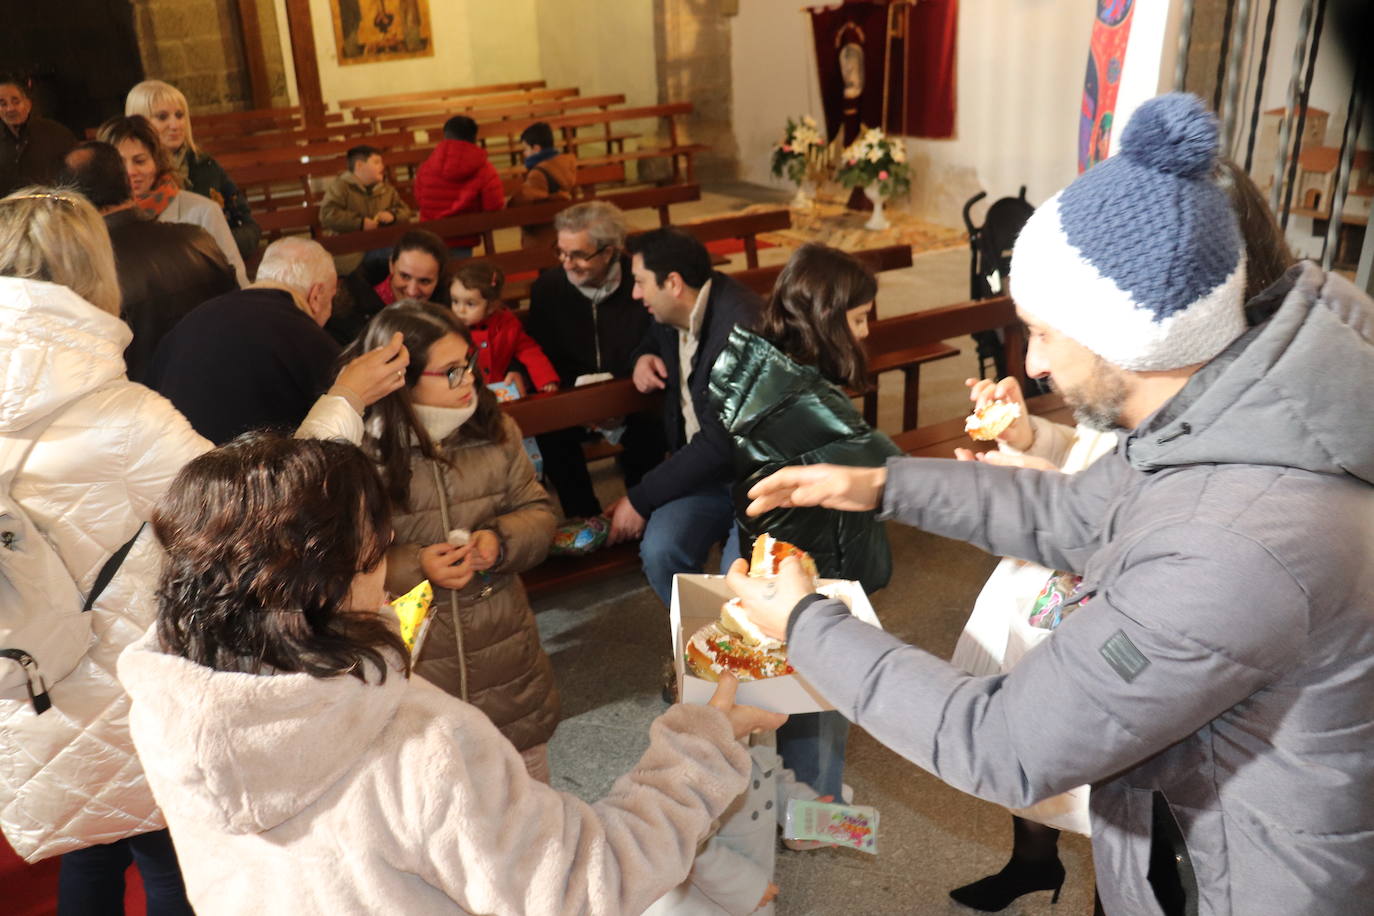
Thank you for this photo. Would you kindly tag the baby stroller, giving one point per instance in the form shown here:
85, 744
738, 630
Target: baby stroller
990, 264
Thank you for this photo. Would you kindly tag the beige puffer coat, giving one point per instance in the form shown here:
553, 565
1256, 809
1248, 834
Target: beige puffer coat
483, 645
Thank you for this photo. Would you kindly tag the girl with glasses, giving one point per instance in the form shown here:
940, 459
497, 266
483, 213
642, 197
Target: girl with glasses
450, 459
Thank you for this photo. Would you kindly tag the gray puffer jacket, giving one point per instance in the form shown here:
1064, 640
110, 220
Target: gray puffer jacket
1218, 680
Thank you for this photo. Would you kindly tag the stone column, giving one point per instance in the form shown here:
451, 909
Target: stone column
693, 45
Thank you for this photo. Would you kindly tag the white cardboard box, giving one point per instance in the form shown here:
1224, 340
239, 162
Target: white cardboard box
696, 602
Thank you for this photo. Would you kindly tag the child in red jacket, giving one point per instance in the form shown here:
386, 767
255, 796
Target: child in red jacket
498, 335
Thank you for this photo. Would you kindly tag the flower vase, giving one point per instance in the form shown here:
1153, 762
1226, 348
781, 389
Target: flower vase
878, 221
805, 197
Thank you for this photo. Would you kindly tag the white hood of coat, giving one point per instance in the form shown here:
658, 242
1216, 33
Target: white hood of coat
247, 752
54, 347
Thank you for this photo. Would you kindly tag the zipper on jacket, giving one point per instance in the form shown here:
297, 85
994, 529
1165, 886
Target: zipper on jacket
452, 595
29, 665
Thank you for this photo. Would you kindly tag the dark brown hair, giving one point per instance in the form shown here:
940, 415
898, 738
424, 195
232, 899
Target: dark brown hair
1266, 251
263, 539
392, 422
806, 317
483, 277
135, 127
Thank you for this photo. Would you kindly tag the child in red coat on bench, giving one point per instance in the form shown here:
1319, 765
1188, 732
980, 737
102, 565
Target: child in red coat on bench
498, 335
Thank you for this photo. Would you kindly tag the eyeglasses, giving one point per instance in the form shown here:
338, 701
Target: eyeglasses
578, 257
456, 375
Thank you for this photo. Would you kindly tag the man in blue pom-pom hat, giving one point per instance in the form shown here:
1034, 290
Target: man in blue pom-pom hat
1213, 679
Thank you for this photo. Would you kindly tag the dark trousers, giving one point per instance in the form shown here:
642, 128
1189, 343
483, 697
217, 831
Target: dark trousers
565, 466
91, 880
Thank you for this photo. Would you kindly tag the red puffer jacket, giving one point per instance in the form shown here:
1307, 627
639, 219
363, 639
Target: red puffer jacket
457, 178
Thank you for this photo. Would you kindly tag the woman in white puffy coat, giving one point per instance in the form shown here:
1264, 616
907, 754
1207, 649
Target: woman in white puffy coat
70, 781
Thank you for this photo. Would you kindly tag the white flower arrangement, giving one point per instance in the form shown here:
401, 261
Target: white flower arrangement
800, 152
875, 158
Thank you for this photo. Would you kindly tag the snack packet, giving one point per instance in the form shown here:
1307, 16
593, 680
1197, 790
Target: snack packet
855, 826
412, 609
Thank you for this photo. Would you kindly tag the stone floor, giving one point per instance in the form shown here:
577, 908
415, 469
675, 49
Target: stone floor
609, 641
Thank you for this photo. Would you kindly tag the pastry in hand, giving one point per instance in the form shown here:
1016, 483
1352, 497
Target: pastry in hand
991, 420
769, 552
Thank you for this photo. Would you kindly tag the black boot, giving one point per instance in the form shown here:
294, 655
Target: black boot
996, 892
1034, 866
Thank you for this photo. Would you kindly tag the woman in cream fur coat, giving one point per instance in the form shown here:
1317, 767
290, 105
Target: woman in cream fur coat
301, 769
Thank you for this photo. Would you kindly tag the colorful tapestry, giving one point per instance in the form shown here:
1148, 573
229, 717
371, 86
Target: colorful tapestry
1106, 55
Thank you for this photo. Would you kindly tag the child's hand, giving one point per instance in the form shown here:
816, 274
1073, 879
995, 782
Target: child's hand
447, 566
768, 896
1020, 434
550, 387
485, 547
518, 380
369, 224
1006, 460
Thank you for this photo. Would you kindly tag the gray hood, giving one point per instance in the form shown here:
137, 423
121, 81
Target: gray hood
1287, 393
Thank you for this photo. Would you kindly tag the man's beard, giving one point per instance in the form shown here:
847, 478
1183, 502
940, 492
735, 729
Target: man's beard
1097, 401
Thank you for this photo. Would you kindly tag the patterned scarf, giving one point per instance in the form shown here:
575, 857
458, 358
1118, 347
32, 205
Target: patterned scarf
160, 197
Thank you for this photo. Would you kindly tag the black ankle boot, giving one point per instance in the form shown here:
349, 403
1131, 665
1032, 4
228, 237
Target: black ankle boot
996, 892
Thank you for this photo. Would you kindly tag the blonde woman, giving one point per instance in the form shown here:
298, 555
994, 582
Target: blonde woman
103, 451
157, 191
165, 108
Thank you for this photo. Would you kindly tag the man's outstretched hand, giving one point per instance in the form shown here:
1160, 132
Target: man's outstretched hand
830, 486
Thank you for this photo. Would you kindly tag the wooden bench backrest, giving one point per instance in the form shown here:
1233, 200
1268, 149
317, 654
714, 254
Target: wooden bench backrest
449, 106
323, 149
891, 257
490, 119
456, 92
236, 143
485, 223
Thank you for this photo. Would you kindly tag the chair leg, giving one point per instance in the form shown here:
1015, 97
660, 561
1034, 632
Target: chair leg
911, 395
871, 403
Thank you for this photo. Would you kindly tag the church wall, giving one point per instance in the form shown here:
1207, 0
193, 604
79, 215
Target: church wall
1019, 77
197, 46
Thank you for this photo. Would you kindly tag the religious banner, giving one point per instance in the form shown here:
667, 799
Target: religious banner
370, 31
887, 64
852, 49
1106, 55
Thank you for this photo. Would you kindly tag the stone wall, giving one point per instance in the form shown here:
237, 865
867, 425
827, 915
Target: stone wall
694, 65
197, 45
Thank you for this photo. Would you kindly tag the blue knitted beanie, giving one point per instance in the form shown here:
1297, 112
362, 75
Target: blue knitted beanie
1140, 259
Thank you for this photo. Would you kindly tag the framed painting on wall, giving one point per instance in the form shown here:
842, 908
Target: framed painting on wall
371, 31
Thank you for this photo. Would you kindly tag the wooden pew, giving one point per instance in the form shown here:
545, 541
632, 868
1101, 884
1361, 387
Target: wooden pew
486, 224
445, 108
320, 149
286, 139
544, 413
454, 93
489, 118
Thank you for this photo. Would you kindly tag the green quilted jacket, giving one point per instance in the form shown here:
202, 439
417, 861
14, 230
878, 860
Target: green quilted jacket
781, 413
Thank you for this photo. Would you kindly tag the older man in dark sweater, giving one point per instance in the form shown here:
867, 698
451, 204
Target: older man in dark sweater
257, 357
585, 318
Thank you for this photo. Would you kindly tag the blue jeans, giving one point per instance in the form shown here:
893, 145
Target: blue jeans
812, 745
90, 881
681, 533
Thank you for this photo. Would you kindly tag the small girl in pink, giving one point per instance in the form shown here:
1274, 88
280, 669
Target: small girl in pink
498, 334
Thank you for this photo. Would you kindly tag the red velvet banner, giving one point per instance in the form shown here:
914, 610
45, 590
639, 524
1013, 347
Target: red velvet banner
888, 64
